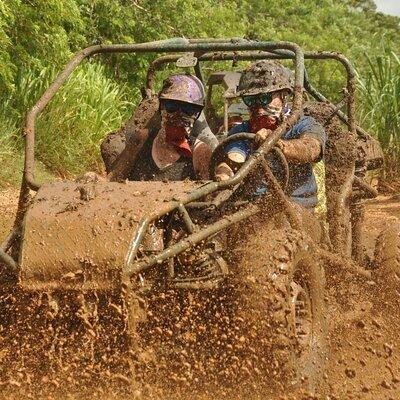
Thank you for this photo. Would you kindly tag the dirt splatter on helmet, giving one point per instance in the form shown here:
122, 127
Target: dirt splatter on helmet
186, 88
265, 76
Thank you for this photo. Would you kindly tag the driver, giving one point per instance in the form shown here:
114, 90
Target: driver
177, 146
264, 88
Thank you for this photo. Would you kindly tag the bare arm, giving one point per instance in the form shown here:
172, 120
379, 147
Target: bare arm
201, 159
306, 149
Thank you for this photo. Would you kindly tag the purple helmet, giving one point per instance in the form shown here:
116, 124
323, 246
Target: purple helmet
186, 88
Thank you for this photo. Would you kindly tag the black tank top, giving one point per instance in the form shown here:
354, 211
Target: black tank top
145, 169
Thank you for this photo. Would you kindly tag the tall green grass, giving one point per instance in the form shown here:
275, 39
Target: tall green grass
88, 107
11, 156
69, 131
379, 101
9, 151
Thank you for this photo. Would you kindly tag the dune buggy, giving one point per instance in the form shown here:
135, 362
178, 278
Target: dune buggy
101, 238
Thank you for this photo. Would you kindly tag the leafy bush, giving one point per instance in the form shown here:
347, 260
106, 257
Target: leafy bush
7, 140
69, 131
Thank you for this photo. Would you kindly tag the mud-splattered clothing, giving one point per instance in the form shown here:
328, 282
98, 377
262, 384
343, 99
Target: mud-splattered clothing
302, 186
202, 131
145, 169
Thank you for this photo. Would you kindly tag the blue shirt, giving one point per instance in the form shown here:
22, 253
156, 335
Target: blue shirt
302, 186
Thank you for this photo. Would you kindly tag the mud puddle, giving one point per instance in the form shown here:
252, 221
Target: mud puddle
364, 361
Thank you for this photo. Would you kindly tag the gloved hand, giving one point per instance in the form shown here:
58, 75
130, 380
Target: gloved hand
223, 172
261, 136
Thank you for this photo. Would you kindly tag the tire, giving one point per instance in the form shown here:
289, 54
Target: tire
387, 255
282, 304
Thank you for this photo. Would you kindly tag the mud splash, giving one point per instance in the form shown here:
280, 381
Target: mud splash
193, 346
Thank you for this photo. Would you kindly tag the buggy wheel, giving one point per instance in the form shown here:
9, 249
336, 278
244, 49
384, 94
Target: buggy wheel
283, 307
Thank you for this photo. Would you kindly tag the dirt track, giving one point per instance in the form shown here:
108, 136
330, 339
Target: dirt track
8, 204
364, 359
364, 323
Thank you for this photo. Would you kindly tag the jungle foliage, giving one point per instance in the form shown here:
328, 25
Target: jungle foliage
37, 38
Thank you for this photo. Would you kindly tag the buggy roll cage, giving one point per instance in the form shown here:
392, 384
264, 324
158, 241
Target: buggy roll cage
200, 47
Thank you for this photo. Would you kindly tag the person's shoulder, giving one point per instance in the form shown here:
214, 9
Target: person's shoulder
307, 123
306, 120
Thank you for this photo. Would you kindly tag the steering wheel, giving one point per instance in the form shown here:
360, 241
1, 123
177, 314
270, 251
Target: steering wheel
219, 154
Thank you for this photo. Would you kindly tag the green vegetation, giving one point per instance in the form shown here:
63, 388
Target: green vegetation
88, 107
69, 132
38, 37
380, 103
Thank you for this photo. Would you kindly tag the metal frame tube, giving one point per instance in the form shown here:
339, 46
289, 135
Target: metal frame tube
8, 260
186, 218
190, 241
10, 239
277, 54
172, 45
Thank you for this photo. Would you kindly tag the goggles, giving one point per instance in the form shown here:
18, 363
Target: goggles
191, 110
262, 99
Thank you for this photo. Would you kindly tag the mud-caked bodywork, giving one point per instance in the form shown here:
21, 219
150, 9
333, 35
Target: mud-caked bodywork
78, 235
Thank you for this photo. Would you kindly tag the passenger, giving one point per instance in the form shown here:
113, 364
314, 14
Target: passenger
178, 146
265, 87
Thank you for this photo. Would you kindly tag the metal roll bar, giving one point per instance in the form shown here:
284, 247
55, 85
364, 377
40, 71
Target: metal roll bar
171, 45
276, 54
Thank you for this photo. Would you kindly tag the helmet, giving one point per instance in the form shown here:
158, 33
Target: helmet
265, 76
186, 88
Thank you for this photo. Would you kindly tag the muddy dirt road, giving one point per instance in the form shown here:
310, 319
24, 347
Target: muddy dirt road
364, 361
364, 321
8, 205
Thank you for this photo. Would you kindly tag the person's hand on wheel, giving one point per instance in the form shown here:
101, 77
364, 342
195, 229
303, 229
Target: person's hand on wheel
261, 136
223, 172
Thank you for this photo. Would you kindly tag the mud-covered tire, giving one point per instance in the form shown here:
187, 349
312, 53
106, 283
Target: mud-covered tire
275, 264
387, 255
